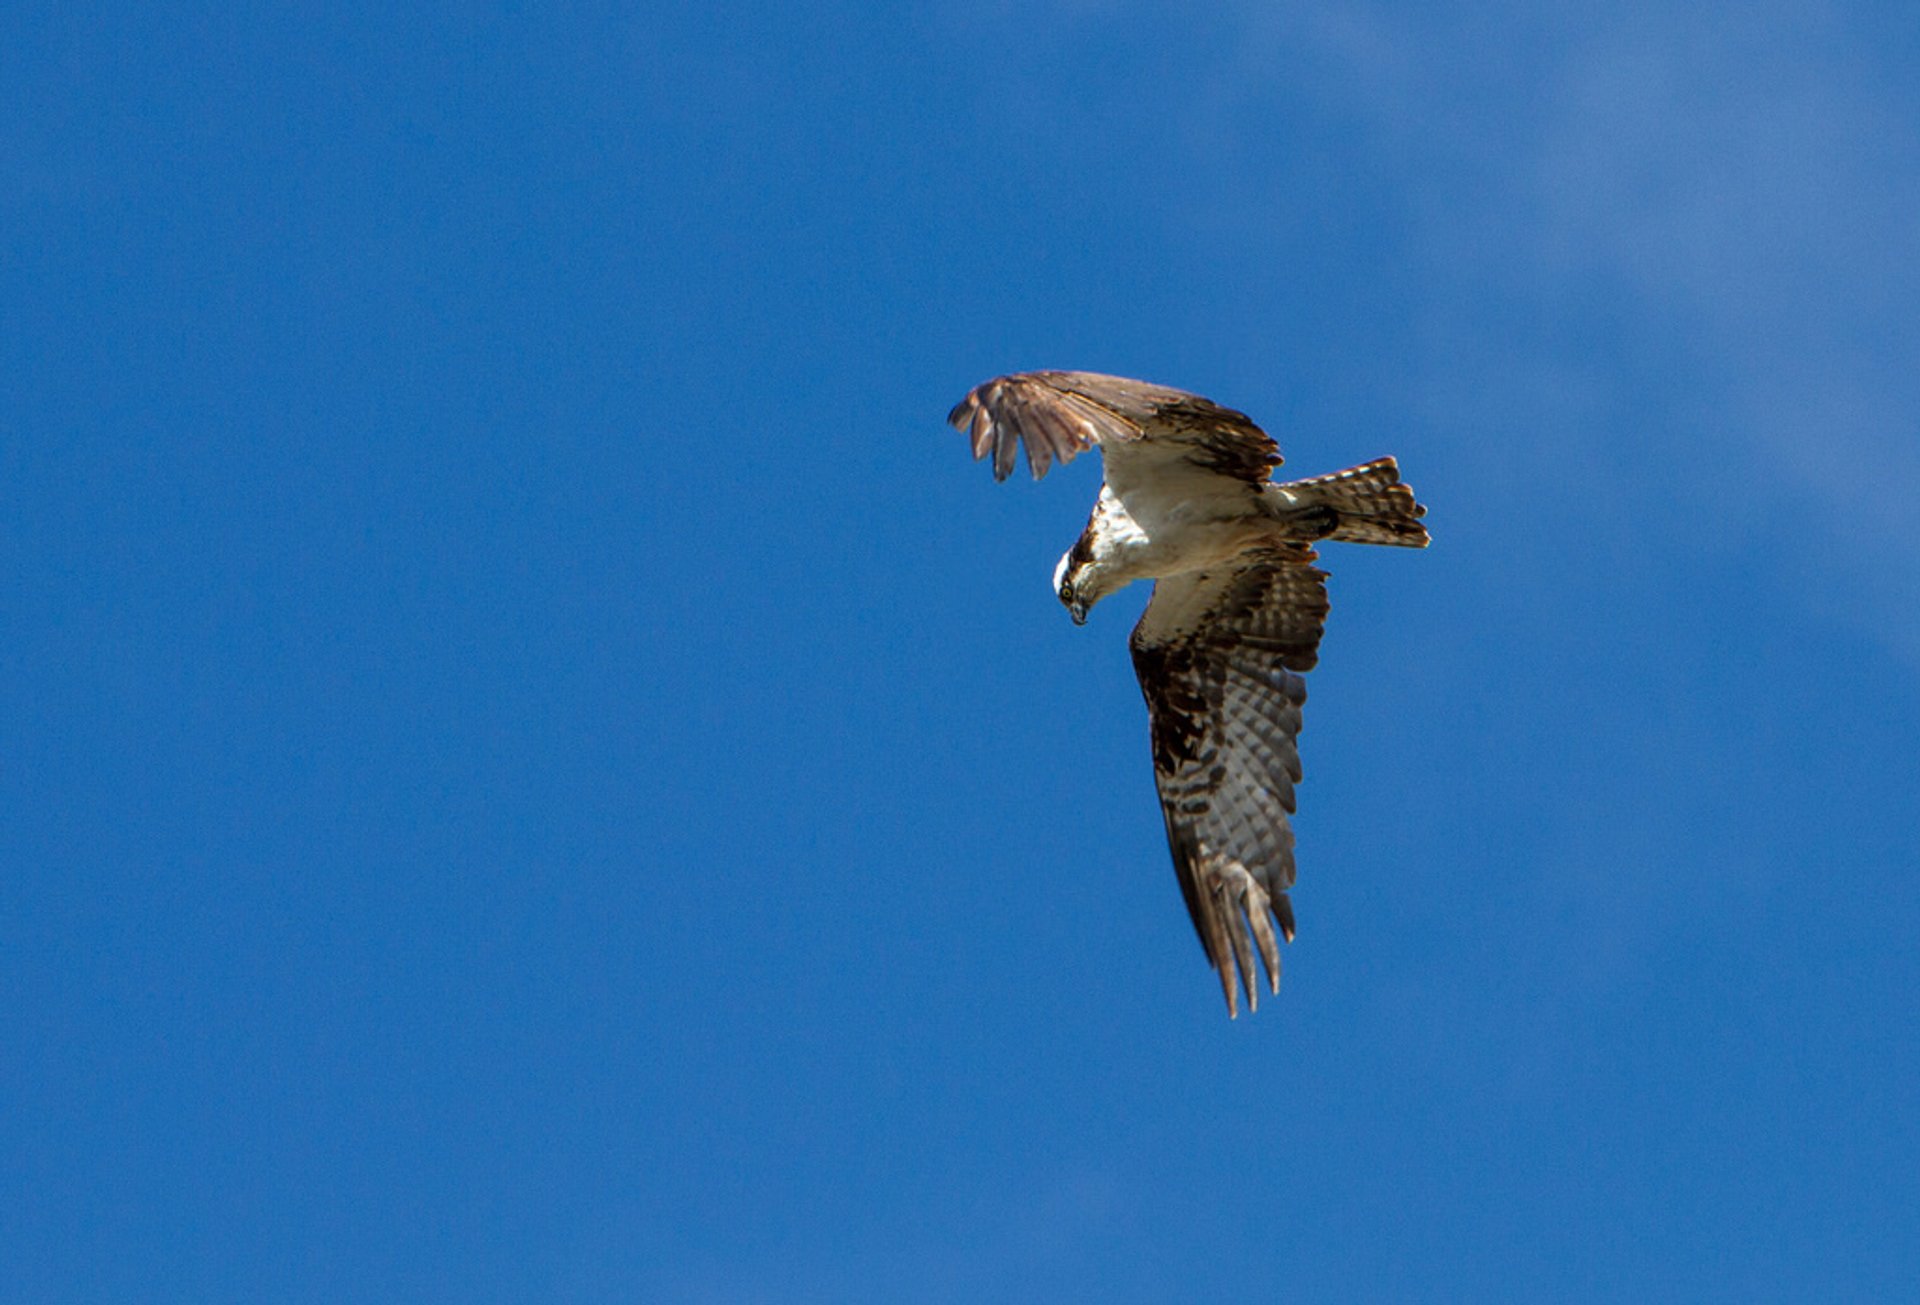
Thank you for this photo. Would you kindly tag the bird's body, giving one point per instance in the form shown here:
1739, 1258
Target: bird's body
1145, 533
1236, 614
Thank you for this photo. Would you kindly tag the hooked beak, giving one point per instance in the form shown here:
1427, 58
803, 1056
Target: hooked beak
1078, 611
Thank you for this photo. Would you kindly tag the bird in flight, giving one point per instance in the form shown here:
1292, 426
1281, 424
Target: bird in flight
1236, 614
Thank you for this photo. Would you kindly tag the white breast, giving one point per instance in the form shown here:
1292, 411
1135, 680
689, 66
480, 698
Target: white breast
1152, 528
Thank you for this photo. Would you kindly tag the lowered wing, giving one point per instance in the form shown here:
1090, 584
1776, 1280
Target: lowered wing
1218, 654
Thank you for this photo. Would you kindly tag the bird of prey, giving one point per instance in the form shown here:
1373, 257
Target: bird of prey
1236, 614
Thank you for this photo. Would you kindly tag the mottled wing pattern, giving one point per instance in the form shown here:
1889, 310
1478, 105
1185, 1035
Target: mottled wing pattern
1056, 416
1218, 655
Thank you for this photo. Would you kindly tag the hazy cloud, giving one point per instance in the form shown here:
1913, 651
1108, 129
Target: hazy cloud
1736, 191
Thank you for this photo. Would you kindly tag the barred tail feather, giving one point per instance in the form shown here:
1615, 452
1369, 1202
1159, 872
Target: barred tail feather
1373, 506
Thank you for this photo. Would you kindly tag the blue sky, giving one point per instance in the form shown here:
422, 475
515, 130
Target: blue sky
533, 768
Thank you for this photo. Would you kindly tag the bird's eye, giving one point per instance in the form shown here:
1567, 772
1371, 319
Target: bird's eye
1066, 593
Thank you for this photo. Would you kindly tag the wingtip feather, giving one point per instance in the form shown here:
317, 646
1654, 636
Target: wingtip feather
1257, 913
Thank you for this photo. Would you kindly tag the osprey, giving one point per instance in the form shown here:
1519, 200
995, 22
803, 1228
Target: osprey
1236, 614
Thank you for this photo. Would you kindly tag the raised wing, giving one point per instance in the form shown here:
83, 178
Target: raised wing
1218, 655
1059, 415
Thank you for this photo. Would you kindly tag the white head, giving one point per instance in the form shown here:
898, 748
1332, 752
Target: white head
1076, 583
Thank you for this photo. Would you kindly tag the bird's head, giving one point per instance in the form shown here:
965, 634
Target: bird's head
1077, 585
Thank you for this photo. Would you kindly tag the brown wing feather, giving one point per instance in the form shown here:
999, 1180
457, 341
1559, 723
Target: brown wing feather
1219, 655
1056, 416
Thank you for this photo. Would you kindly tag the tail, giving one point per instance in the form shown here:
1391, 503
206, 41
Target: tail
1371, 504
